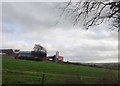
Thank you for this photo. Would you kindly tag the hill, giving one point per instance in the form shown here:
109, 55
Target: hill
100, 65
36, 72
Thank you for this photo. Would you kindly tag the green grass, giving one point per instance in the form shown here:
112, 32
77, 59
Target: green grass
30, 72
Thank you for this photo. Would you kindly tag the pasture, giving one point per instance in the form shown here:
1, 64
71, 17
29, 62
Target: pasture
15, 71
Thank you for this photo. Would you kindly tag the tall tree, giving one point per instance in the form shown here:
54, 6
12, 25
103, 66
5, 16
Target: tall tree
92, 13
38, 47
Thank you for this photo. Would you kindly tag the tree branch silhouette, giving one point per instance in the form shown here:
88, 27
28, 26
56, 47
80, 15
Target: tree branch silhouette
94, 13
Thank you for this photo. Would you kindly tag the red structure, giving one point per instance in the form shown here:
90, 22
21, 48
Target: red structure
52, 58
60, 58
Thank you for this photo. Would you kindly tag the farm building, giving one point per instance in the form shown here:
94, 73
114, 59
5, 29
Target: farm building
52, 58
7, 52
31, 55
39, 53
56, 57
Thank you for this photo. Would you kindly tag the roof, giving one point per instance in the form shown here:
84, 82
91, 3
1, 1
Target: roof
7, 51
4, 49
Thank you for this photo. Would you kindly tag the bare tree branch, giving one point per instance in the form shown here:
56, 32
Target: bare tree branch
94, 13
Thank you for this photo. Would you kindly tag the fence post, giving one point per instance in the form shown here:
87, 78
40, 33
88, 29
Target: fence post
43, 76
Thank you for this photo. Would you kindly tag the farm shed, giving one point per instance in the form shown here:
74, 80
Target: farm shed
7, 52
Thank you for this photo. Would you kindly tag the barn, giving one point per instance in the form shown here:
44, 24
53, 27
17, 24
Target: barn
7, 52
39, 53
52, 58
31, 55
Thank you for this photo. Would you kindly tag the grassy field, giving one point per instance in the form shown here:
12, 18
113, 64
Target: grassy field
31, 72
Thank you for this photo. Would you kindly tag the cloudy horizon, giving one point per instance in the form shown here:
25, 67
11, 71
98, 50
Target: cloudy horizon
27, 23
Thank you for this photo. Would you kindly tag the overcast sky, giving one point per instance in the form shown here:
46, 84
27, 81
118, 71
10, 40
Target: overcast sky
25, 24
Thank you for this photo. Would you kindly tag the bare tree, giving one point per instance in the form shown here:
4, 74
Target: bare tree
94, 13
38, 47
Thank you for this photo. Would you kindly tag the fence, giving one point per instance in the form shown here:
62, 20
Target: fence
44, 79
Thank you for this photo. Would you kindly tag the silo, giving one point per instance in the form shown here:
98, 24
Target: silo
56, 56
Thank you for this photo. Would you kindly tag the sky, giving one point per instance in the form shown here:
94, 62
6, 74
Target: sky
27, 23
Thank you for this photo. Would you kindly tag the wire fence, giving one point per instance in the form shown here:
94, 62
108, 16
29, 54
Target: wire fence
43, 79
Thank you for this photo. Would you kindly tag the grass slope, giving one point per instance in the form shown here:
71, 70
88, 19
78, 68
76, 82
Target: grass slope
31, 72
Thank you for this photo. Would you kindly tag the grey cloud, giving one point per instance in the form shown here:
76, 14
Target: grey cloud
25, 24
28, 16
